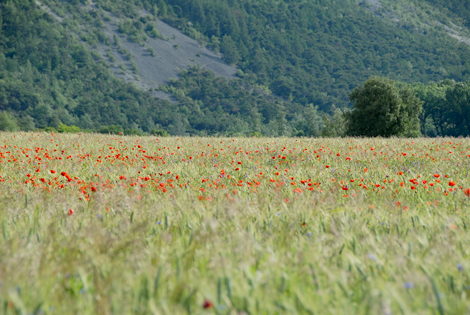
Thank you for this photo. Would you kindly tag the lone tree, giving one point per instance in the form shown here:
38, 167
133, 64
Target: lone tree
382, 108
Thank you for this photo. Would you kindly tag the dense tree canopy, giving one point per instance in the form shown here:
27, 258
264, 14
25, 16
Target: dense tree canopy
317, 51
381, 108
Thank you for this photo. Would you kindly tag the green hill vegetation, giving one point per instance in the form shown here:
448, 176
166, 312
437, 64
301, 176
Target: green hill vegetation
298, 62
461, 8
318, 51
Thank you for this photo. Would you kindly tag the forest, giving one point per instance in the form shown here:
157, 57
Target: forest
297, 63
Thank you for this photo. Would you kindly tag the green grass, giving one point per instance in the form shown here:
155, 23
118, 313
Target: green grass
262, 249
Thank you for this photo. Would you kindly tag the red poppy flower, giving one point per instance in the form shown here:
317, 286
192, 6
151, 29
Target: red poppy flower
207, 304
451, 184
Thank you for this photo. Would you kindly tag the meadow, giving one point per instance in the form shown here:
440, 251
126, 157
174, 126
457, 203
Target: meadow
107, 224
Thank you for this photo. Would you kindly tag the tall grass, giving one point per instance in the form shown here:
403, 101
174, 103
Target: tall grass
259, 249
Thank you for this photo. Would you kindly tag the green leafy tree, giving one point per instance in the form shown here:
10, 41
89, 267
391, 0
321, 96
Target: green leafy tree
230, 51
334, 126
381, 108
8, 122
159, 133
314, 121
112, 129
456, 118
281, 120
256, 120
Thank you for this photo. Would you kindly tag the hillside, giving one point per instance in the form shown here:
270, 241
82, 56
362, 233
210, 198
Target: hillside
317, 51
102, 63
147, 64
53, 72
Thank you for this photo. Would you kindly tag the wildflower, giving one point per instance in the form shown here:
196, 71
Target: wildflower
53, 172
207, 304
467, 192
408, 285
451, 184
459, 267
70, 212
372, 257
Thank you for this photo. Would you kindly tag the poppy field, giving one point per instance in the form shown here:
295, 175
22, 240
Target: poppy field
107, 224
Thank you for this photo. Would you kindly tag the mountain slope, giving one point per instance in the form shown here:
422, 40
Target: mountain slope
317, 51
48, 77
150, 64
60, 60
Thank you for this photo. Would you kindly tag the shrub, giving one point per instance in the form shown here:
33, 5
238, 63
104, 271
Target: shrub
159, 132
63, 128
112, 129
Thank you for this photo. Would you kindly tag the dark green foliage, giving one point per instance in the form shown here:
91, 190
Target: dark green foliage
335, 125
112, 129
459, 7
446, 108
132, 132
317, 51
381, 108
218, 106
47, 77
159, 133
8, 122
230, 51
